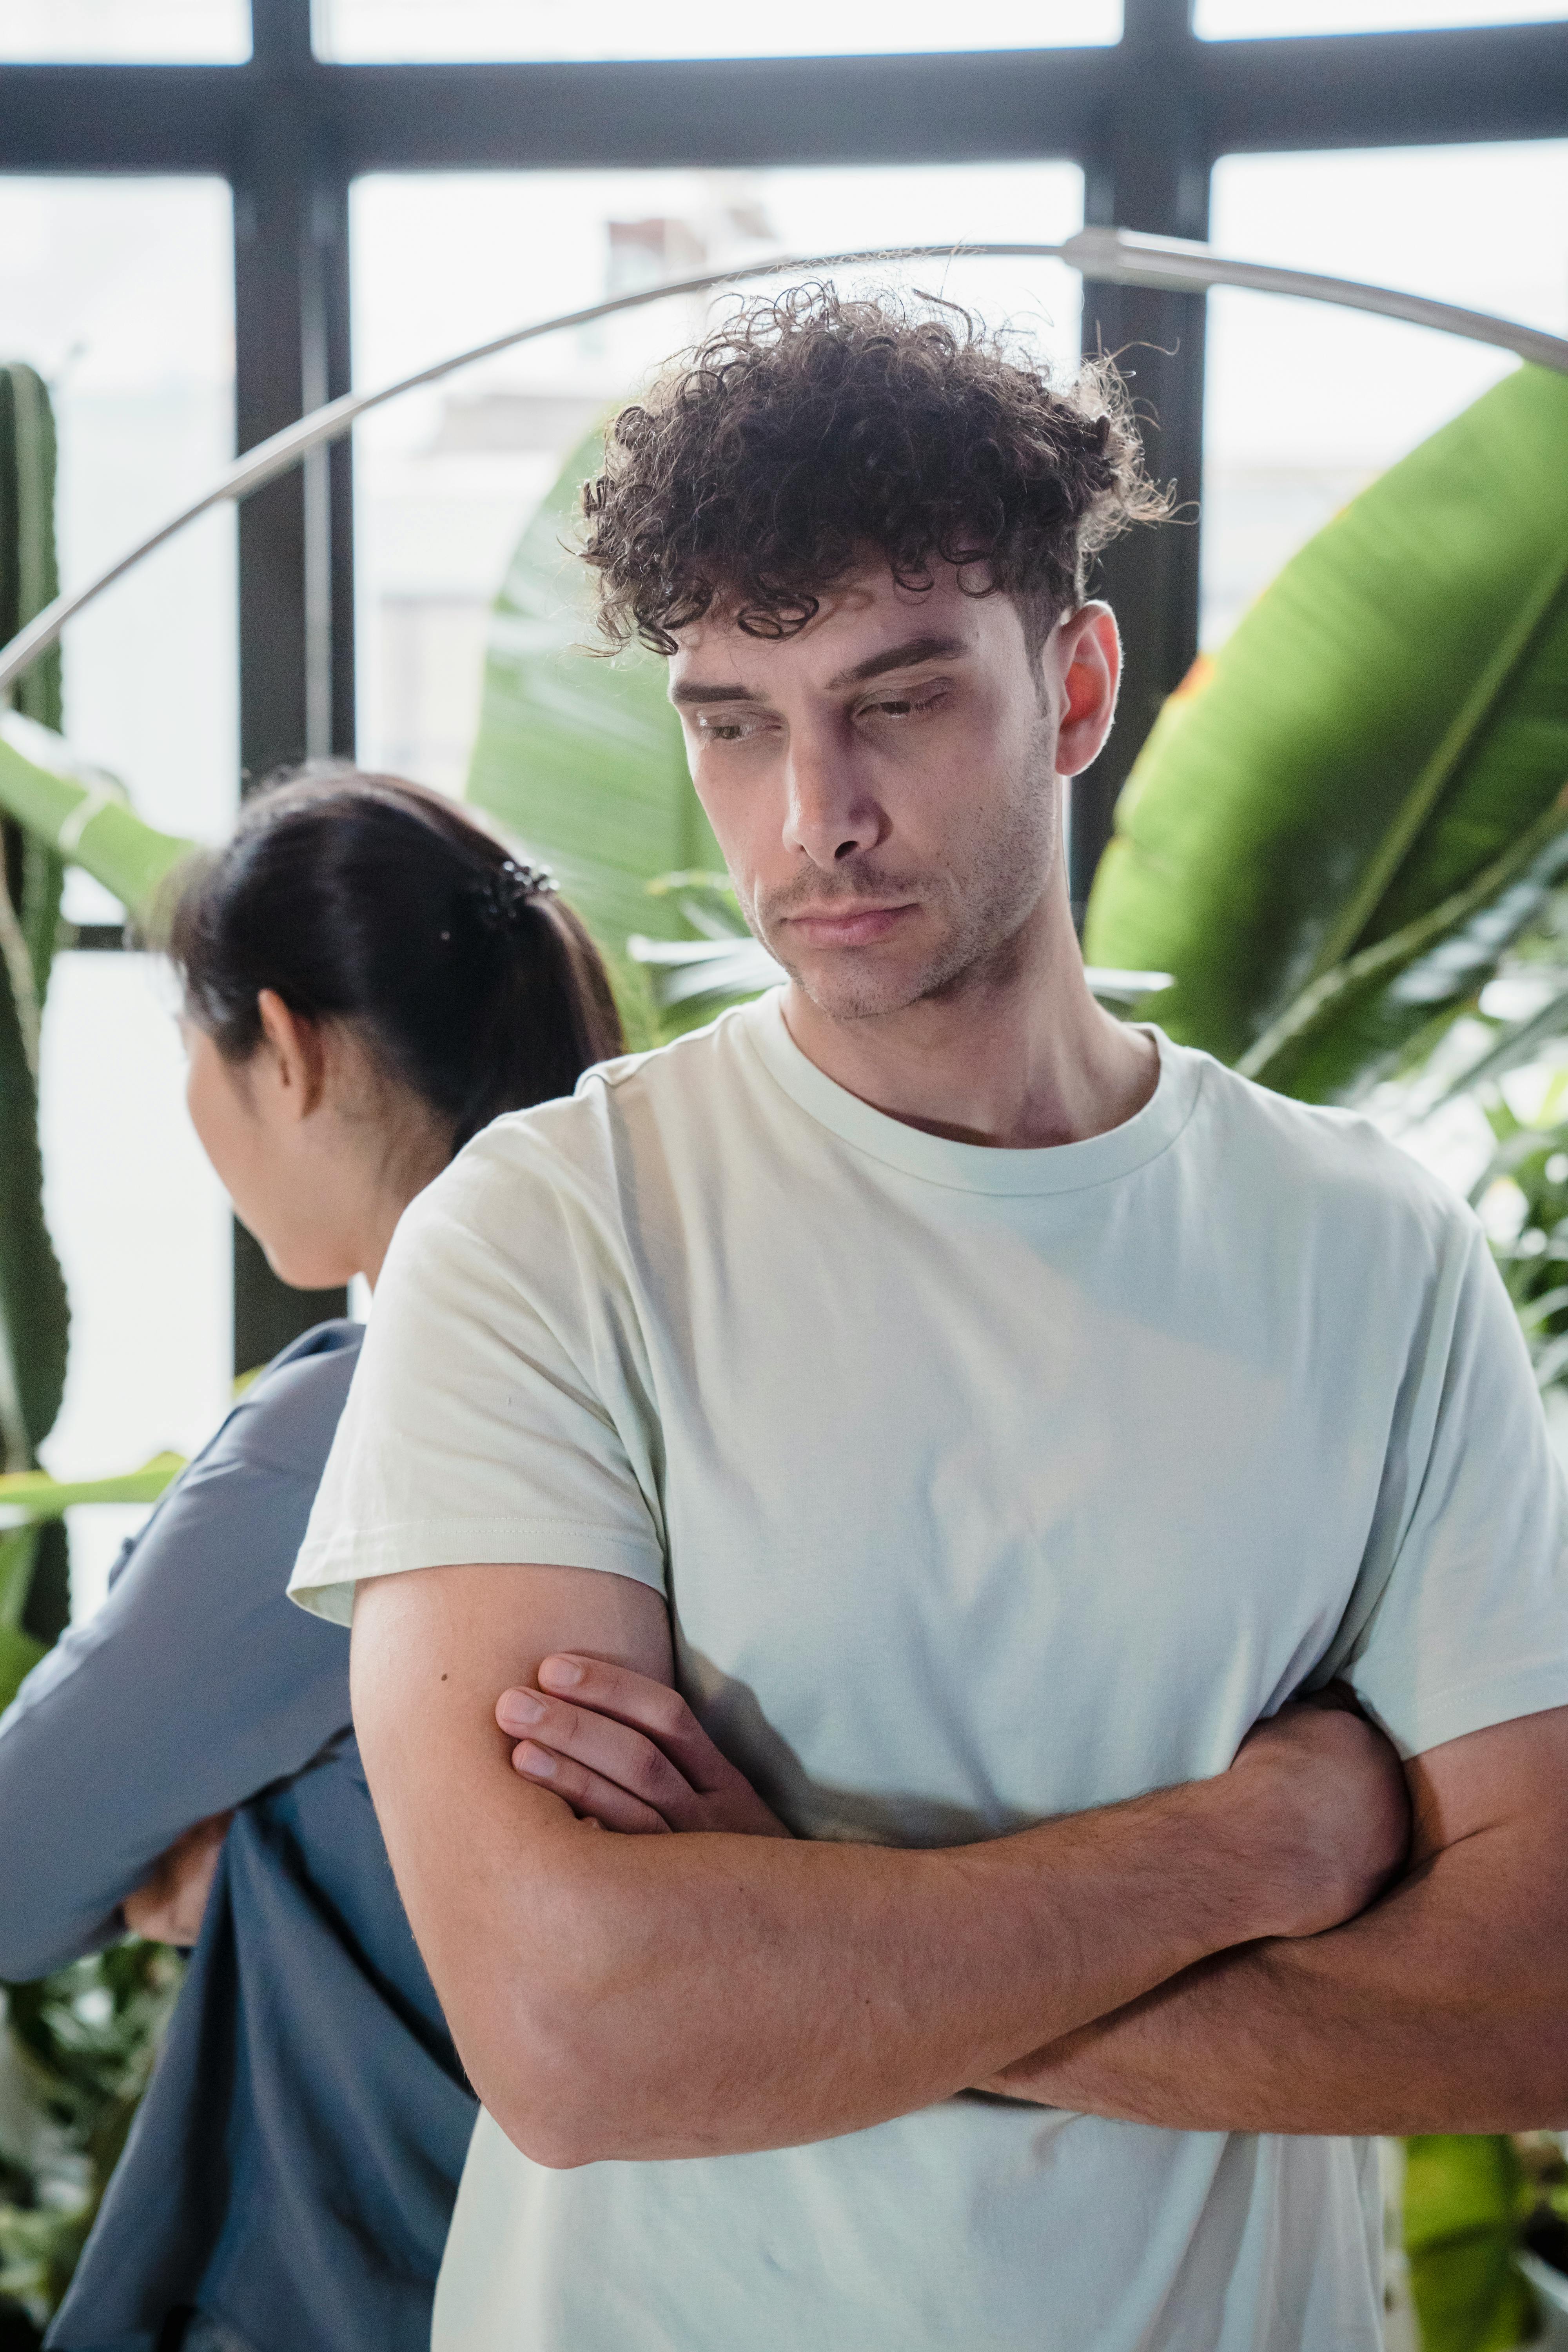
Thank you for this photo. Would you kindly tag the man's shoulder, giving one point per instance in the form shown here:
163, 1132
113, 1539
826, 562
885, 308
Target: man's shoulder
629, 1125
1317, 1159
631, 1102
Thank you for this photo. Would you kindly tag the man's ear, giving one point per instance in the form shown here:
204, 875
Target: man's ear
1087, 649
296, 1047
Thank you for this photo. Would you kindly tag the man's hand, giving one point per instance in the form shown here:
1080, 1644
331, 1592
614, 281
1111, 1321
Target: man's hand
657, 1996
627, 1752
1334, 1810
1443, 2007
1317, 1808
168, 1908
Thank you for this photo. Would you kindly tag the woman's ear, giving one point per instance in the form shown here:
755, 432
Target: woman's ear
299, 1061
1089, 650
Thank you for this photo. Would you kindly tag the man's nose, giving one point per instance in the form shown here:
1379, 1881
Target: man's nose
830, 814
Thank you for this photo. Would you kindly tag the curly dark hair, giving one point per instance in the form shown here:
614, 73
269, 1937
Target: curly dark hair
763, 465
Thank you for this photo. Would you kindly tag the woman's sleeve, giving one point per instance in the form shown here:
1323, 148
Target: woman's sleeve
194, 1685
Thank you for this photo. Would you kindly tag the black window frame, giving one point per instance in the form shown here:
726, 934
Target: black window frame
1146, 120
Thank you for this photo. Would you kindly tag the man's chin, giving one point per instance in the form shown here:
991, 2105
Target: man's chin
847, 985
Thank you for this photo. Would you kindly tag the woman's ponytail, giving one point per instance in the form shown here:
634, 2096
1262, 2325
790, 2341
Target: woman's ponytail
364, 900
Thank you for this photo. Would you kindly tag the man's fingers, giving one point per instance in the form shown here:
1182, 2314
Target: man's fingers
613, 1750
645, 1705
587, 1793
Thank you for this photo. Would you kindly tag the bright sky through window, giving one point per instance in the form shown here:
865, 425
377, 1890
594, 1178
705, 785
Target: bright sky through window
129, 32
1305, 404
445, 479
393, 30
1218, 20
120, 291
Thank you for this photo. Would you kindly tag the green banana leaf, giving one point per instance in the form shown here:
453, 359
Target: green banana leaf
81, 813
34, 1496
19, 1652
37, 1503
1385, 726
582, 757
1463, 2202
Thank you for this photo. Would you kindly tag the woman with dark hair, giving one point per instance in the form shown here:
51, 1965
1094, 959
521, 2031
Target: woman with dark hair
369, 978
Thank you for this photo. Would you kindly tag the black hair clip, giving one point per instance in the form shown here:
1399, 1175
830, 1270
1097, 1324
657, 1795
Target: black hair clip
501, 897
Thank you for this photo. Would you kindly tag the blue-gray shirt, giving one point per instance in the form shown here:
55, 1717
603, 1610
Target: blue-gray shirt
292, 2168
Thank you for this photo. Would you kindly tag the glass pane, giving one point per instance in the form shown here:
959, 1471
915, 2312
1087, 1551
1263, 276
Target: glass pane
402, 30
1218, 20
1306, 403
120, 292
144, 32
142, 1230
445, 478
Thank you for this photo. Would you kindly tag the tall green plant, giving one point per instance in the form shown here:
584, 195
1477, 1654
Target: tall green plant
1333, 836
1337, 825
78, 2044
57, 809
33, 1314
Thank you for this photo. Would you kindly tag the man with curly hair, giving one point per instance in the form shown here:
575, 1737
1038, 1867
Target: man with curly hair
918, 1438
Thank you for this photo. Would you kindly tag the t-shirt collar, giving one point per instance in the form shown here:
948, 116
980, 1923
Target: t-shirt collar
975, 1167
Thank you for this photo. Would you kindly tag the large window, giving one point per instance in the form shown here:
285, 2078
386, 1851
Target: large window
140, 32
1235, 19
120, 294
280, 185
447, 478
385, 30
1305, 404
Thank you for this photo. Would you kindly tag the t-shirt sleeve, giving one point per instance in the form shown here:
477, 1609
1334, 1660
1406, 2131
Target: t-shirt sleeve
501, 1410
1463, 1621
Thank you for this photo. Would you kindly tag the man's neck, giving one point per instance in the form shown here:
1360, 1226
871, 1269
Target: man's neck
1017, 1056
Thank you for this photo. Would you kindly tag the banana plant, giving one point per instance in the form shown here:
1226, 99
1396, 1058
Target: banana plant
1337, 829
1465, 2203
59, 810
1337, 825
582, 757
31, 1502
53, 809
77, 2045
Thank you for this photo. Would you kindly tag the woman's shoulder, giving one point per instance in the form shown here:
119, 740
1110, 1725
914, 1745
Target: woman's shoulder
287, 1415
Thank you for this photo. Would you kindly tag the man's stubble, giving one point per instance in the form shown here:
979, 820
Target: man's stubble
988, 892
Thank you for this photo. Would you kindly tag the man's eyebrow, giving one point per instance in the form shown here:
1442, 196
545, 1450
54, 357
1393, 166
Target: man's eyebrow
930, 647
691, 690
905, 657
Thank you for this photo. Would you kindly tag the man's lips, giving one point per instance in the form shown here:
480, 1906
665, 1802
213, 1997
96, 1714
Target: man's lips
848, 927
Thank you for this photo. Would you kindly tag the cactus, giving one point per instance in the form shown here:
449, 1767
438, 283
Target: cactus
34, 1316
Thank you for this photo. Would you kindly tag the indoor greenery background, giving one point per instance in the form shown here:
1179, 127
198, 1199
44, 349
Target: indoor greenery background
1340, 832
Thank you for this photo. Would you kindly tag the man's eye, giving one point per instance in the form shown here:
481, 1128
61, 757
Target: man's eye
726, 730
906, 706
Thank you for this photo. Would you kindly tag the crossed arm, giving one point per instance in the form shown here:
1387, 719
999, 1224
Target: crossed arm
659, 1996
1444, 2008
1440, 2008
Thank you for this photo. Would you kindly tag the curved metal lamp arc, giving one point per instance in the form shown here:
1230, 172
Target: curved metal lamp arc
1115, 255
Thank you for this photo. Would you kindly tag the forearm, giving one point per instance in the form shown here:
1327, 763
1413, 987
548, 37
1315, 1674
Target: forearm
672, 1996
642, 1997
1444, 2007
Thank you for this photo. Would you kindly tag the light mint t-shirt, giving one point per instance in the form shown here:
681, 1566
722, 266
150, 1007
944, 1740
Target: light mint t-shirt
984, 1486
